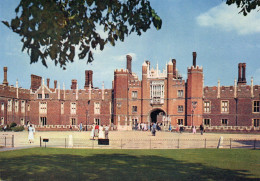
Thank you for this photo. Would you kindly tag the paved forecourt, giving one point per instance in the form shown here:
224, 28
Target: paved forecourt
128, 137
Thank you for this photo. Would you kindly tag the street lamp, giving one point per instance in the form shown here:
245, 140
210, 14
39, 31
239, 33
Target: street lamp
194, 105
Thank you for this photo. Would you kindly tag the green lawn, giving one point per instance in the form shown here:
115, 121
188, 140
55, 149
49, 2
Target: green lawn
87, 164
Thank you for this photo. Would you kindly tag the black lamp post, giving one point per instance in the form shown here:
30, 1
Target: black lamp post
194, 105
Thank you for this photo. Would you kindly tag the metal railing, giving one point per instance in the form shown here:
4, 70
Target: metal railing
152, 143
7, 141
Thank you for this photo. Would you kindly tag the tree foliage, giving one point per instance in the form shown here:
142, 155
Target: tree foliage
246, 5
53, 28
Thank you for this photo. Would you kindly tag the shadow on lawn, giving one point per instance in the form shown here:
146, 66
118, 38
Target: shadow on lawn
110, 167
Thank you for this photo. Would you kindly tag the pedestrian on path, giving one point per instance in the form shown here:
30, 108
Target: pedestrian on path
194, 129
201, 129
31, 134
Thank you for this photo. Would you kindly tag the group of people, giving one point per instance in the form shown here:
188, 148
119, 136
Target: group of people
99, 131
201, 129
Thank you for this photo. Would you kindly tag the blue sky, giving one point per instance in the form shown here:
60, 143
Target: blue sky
221, 37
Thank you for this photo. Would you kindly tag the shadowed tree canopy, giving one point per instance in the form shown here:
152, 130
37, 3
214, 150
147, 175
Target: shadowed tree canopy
55, 28
246, 5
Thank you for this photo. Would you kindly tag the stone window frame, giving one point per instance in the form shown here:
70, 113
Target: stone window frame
2, 120
224, 124
257, 107
179, 121
256, 122
16, 105
134, 109
47, 96
225, 107
23, 106
2, 106
73, 121
39, 96
209, 120
134, 94
207, 108
96, 107
180, 108
22, 121
73, 108
9, 105
97, 121
62, 108
180, 93
43, 107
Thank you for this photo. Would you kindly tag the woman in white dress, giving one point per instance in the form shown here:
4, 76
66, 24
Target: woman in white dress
31, 134
101, 133
92, 134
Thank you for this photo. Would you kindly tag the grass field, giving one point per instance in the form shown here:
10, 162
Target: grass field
87, 164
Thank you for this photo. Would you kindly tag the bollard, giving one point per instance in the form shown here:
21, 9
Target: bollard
254, 144
40, 141
230, 143
12, 140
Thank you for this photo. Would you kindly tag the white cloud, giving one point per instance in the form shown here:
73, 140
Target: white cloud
227, 18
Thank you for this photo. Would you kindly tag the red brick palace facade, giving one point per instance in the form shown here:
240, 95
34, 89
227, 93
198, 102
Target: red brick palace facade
161, 96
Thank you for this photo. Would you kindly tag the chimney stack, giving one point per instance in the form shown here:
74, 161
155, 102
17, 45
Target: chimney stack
73, 84
5, 82
55, 84
35, 82
241, 73
48, 83
129, 63
244, 72
174, 68
88, 78
194, 54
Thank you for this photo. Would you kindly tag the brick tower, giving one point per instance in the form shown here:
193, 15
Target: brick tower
194, 103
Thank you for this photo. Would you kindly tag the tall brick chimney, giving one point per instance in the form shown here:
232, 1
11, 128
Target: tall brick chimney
5, 82
48, 83
88, 78
174, 68
73, 84
244, 72
55, 84
129, 63
35, 82
194, 54
241, 73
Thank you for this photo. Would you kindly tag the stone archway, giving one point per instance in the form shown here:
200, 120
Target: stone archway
156, 115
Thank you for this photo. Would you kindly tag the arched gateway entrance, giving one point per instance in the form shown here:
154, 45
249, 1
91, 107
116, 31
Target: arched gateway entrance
157, 115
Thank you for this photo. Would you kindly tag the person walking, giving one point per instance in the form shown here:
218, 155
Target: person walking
194, 129
106, 131
31, 134
201, 129
80, 127
92, 134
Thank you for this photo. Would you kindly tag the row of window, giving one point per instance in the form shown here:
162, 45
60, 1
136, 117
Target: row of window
225, 106
46, 96
224, 122
73, 108
157, 91
180, 108
16, 106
